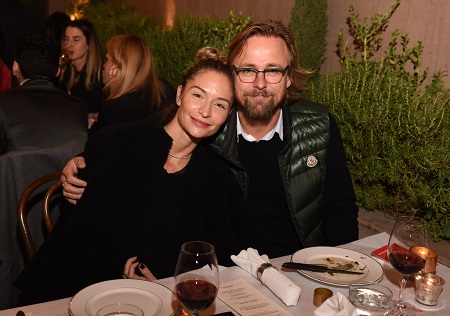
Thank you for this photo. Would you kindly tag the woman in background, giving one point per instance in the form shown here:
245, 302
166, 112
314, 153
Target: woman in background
82, 75
132, 89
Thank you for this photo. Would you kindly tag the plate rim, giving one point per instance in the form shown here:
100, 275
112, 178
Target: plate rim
120, 283
337, 283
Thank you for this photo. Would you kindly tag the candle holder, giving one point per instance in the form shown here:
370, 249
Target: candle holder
428, 287
432, 255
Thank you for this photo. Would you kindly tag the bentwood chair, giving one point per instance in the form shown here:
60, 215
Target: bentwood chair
22, 209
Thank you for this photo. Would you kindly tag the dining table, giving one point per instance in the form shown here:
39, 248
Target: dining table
304, 306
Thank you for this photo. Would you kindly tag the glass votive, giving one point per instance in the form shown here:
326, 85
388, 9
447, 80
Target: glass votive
321, 294
120, 309
432, 257
370, 298
428, 287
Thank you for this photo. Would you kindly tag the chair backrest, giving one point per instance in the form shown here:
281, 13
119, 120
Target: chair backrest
22, 210
17, 170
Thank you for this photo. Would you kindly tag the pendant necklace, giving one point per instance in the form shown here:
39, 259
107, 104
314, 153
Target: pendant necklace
182, 157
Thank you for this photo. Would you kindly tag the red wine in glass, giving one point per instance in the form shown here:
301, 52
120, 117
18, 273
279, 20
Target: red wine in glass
196, 276
408, 231
406, 262
196, 294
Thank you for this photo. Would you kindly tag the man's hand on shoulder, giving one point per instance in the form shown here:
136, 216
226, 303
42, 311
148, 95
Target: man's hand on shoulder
73, 187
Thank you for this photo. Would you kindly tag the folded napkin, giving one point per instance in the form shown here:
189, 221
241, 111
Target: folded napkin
277, 282
337, 305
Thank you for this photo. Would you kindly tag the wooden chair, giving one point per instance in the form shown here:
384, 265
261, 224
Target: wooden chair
22, 210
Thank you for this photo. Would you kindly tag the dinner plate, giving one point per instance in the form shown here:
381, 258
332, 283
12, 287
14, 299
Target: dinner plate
335, 257
152, 298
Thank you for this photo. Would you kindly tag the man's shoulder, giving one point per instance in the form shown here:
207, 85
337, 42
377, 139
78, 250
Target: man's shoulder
306, 106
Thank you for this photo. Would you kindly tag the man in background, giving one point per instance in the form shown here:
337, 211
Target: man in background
37, 114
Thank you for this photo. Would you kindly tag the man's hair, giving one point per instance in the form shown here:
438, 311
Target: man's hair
274, 29
37, 55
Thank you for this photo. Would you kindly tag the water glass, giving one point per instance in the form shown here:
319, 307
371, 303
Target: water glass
370, 298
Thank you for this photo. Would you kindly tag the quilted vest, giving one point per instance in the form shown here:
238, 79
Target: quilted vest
302, 164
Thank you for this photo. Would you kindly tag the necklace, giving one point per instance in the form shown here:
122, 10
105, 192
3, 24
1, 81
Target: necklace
182, 157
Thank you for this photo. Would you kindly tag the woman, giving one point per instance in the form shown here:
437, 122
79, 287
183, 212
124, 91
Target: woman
171, 189
81, 77
132, 90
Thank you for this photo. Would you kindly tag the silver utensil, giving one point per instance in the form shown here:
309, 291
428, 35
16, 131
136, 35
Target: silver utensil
316, 268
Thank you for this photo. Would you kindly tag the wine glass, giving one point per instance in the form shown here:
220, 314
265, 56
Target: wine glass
408, 231
196, 276
64, 57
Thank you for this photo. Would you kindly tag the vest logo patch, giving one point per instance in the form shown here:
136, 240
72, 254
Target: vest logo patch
311, 161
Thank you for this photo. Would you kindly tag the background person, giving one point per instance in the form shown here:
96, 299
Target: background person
171, 189
82, 76
132, 89
37, 114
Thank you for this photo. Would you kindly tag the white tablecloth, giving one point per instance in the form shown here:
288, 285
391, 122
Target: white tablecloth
304, 306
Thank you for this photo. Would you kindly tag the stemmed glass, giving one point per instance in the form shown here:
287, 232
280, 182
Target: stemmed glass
196, 276
408, 231
64, 57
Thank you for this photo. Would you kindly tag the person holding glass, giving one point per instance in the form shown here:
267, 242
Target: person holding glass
169, 188
132, 89
81, 74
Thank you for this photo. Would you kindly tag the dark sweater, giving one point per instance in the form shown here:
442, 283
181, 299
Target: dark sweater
131, 207
266, 208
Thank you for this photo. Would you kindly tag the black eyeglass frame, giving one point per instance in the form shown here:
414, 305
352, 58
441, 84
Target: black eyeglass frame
256, 72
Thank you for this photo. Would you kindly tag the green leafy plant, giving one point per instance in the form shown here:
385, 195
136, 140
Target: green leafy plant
175, 49
309, 22
396, 131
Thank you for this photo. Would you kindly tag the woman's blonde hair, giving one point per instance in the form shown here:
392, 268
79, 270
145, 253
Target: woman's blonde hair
93, 67
132, 56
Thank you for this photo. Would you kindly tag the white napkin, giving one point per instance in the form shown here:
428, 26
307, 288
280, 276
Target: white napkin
337, 305
277, 282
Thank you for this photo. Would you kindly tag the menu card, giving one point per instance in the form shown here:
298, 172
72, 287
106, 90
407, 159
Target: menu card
248, 301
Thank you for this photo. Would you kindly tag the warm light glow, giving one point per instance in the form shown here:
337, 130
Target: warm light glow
170, 13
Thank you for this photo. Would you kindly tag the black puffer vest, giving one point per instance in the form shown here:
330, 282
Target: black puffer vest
302, 164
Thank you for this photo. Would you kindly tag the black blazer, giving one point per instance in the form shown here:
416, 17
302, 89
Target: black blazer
38, 114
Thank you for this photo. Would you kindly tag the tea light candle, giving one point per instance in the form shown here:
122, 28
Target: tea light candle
428, 287
432, 256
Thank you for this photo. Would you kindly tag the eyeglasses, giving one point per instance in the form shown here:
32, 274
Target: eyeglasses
271, 75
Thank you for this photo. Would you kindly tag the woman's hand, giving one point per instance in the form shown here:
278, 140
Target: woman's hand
129, 271
73, 187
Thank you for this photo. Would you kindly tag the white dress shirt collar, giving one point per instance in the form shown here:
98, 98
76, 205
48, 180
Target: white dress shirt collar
277, 129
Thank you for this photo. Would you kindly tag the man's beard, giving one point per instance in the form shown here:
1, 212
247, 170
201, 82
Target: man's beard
259, 112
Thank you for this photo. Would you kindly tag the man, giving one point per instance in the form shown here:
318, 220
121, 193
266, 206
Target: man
286, 153
37, 113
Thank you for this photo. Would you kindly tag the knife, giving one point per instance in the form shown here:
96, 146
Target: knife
316, 268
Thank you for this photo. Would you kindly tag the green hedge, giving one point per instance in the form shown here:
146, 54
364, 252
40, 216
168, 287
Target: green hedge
396, 132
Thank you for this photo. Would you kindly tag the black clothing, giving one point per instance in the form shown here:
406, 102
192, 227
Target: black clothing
147, 212
38, 114
92, 98
131, 107
316, 181
266, 208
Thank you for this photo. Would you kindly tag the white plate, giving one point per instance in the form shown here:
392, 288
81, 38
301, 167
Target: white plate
154, 299
334, 257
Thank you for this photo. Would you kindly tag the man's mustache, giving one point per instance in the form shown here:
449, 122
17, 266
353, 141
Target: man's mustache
258, 93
